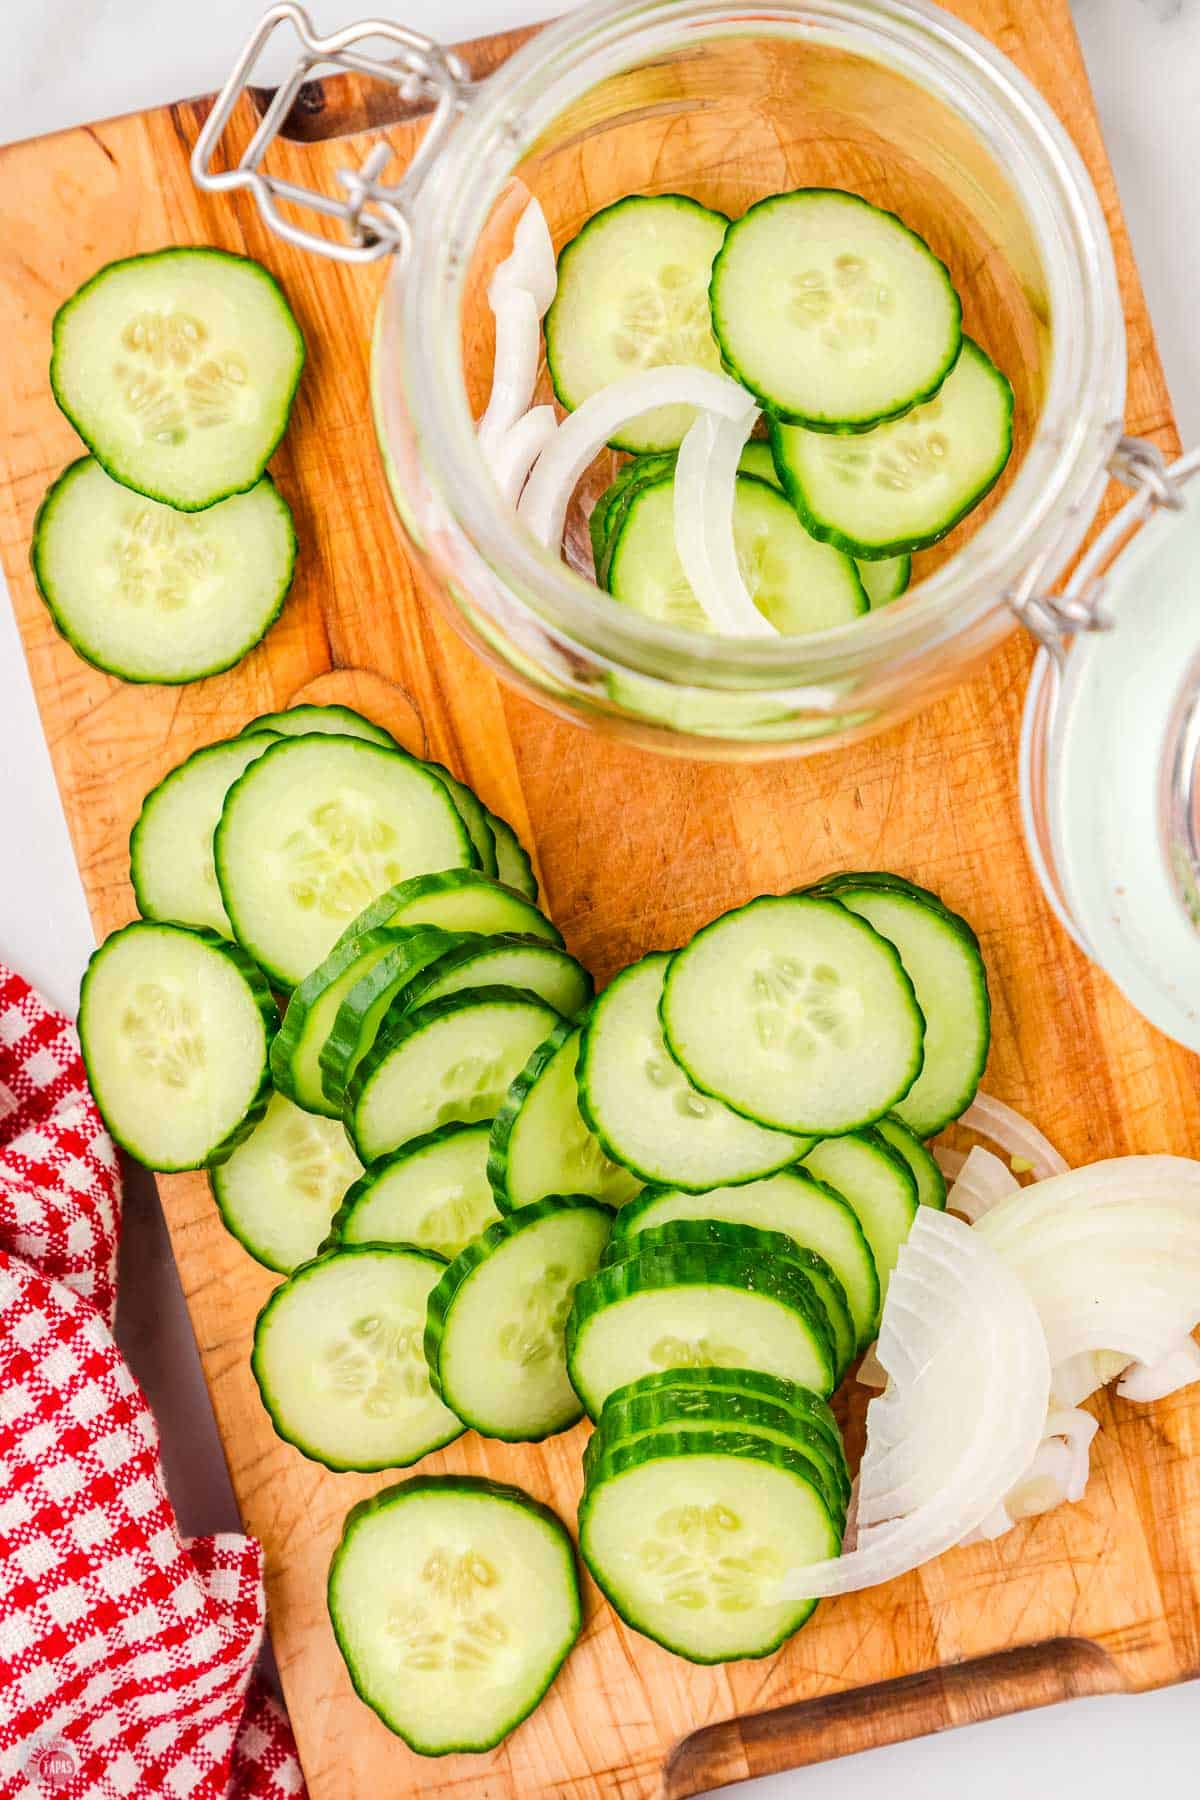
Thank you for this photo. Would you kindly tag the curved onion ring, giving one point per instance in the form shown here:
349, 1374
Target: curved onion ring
982, 1181
705, 494
519, 449
1015, 1135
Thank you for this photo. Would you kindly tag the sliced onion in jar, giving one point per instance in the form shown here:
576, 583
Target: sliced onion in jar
530, 264
585, 432
980, 1183
961, 1423
1016, 1136
518, 450
514, 371
705, 496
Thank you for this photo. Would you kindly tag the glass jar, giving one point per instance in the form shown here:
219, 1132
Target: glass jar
893, 99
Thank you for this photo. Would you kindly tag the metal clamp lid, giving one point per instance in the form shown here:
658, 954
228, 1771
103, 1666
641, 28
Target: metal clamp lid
374, 215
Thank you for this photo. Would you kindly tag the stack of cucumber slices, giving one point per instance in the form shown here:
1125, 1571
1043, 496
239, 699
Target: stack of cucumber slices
834, 327
166, 553
500, 1202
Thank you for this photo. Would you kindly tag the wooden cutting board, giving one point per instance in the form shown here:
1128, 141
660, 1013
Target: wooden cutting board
635, 853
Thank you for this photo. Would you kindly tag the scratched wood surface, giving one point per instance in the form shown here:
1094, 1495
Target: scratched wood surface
635, 853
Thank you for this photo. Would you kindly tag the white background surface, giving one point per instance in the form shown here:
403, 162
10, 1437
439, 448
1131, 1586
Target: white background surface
70, 60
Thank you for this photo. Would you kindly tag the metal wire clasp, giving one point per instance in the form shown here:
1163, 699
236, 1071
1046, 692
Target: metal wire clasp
374, 215
1054, 618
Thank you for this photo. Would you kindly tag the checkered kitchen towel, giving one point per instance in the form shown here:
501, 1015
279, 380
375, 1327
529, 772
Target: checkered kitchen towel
126, 1654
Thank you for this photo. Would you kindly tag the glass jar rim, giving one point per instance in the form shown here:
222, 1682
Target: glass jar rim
1053, 497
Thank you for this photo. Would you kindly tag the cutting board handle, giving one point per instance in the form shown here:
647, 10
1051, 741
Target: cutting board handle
813, 1731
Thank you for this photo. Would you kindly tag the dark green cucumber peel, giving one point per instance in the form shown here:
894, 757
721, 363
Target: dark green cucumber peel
360, 1190
351, 1034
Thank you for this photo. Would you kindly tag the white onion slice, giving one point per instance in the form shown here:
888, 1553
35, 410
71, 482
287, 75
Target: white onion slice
530, 264
518, 349
1154, 1381
1110, 1255
519, 448
705, 492
1077, 1377
980, 1183
1057, 1476
963, 1422
1015, 1135
585, 432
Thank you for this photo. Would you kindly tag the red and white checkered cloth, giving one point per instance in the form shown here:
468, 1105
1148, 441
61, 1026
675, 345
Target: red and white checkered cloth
126, 1654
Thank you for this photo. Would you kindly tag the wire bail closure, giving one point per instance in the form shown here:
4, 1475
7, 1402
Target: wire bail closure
375, 216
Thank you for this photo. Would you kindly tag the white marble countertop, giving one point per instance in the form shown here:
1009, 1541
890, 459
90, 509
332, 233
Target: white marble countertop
73, 60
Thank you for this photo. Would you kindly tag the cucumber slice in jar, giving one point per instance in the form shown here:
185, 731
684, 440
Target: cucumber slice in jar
433, 1193
713, 1409
692, 1305
513, 865
922, 1163
298, 1055
688, 1534
798, 584
339, 1362
883, 581
793, 1202
540, 1142
175, 1026
459, 900
508, 959
942, 957
633, 294
832, 312
335, 721
178, 371
608, 506
905, 485
448, 1062
316, 829
454, 1602
644, 1111
769, 1246
153, 595
171, 846
283, 1184
494, 1338
791, 1018
878, 1184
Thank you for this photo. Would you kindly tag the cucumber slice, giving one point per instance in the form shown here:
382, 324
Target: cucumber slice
540, 1143
700, 1409
795, 582
346, 1016
449, 1061
791, 1019
456, 900
883, 581
832, 312
792, 1202
674, 1386
494, 1336
336, 721
434, 1193
316, 829
473, 814
513, 865
692, 1305
922, 1163
171, 845
645, 1112
281, 1187
178, 372
297, 1066
339, 1362
876, 878
942, 957
508, 959
454, 1602
688, 1535
768, 1246
175, 1026
609, 504
878, 1184
633, 294
905, 485
151, 594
